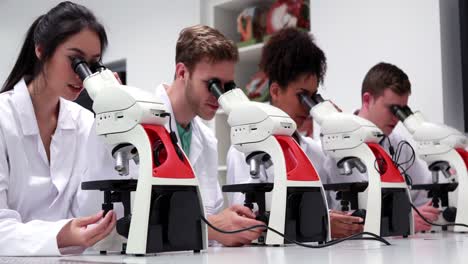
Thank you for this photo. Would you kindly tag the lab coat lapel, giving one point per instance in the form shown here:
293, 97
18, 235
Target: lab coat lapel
63, 149
27, 117
24, 107
196, 146
162, 94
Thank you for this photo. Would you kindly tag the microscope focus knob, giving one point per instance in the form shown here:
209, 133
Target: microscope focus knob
360, 213
450, 214
123, 225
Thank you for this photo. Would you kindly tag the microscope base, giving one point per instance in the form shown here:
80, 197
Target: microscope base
306, 212
174, 220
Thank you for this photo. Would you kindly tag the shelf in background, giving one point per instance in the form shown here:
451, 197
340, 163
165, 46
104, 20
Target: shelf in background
250, 53
239, 5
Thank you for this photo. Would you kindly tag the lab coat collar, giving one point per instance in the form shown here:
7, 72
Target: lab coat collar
196, 146
162, 94
65, 119
23, 104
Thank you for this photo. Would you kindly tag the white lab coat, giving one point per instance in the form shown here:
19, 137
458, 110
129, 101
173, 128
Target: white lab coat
37, 198
238, 169
203, 156
419, 172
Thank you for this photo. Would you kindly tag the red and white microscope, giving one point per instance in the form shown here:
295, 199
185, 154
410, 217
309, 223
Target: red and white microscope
263, 133
354, 143
444, 150
167, 206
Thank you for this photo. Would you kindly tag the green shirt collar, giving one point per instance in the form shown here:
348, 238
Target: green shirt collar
185, 135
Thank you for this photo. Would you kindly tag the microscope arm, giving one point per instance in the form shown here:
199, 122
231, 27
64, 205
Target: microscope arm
428, 133
121, 107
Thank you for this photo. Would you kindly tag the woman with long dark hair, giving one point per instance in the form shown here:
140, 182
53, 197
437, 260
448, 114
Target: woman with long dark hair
42, 138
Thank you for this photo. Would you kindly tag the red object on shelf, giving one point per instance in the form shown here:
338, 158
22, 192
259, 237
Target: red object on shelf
288, 13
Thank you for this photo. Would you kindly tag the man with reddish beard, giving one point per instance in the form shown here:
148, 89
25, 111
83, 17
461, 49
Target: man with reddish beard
385, 85
203, 53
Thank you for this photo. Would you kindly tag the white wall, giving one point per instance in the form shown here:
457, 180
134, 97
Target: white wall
144, 33
356, 35
420, 36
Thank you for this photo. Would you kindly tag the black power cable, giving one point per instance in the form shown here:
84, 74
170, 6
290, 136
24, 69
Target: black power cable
173, 137
395, 154
434, 224
327, 244
410, 162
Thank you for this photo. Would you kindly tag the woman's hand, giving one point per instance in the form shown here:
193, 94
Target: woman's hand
86, 231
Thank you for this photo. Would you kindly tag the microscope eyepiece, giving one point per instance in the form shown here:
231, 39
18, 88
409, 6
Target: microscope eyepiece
97, 67
401, 112
317, 98
230, 86
306, 100
215, 87
310, 101
81, 68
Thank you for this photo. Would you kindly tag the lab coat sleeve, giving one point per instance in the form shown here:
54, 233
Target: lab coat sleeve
419, 171
236, 173
419, 174
100, 166
204, 158
321, 162
324, 172
34, 238
213, 187
332, 175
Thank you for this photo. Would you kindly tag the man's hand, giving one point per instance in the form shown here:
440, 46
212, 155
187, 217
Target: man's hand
234, 218
86, 231
343, 225
429, 212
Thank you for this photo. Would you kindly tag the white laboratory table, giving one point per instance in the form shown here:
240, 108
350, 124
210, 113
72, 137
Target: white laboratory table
442, 248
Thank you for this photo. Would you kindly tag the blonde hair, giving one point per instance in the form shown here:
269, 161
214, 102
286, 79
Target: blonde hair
200, 42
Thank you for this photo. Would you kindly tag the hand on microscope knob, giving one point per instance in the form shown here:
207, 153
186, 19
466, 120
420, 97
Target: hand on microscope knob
429, 212
343, 224
86, 231
234, 218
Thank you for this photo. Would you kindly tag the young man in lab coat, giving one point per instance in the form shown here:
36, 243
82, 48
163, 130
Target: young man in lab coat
203, 53
385, 85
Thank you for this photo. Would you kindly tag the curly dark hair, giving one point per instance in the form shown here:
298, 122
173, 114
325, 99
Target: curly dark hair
290, 53
384, 76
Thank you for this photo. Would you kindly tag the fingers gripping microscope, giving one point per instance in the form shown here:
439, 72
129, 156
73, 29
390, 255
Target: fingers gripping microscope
167, 202
444, 150
263, 133
354, 143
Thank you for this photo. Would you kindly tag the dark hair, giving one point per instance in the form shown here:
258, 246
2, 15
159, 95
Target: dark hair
49, 31
200, 42
291, 53
386, 76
